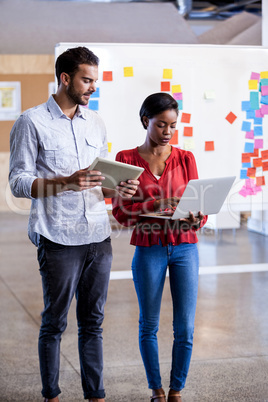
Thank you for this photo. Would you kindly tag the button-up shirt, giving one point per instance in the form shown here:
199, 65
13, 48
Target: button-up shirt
45, 143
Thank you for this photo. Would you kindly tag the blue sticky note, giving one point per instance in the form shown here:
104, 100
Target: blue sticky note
245, 105
264, 100
246, 126
264, 81
249, 147
180, 104
246, 165
250, 114
243, 174
257, 130
254, 100
257, 120
93, 105
95, 94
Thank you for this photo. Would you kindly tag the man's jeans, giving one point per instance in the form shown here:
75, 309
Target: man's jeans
66, 271
149, 268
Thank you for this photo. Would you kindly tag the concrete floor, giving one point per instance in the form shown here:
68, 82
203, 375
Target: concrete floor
230, 356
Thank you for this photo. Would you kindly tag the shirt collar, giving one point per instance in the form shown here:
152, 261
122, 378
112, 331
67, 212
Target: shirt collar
56, 111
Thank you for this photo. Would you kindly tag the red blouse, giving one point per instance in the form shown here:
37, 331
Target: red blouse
180, 168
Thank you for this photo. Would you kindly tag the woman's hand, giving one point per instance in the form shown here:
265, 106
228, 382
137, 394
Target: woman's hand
166, 204
193, 220
127, 189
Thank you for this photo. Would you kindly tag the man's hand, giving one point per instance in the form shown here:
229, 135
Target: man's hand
84, 179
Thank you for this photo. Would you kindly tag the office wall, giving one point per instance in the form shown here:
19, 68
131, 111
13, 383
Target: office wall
34, 72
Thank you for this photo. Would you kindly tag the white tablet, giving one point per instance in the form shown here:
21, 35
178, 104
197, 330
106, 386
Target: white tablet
115, 172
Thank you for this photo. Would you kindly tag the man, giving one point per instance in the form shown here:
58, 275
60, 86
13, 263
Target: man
51, 148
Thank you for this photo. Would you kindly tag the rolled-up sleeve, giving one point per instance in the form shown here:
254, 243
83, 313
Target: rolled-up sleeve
23, 154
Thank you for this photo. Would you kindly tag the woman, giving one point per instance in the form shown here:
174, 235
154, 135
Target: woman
162, 243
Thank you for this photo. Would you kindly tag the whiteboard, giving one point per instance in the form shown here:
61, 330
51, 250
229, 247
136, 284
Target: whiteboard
214, 81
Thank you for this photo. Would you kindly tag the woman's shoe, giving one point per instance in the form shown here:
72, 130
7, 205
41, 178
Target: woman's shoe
176, 397
158, 398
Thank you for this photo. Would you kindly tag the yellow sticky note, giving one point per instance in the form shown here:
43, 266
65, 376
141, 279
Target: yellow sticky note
167, 73
210, 94
253, 84
109, 147
264, 74
176, 89
128, 72
188, 144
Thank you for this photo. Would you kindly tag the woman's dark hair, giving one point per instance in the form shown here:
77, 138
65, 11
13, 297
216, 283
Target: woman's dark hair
69, 61
157, 103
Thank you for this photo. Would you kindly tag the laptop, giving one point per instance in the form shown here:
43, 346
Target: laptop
205, 195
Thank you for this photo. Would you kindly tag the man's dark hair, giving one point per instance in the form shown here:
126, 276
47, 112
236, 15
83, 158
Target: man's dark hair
157, 103
68, 62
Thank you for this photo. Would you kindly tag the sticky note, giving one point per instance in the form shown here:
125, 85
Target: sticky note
251, 172
209, 146
180, 104
165, 86
167, 73
128, 72
258, 143
258, 113
245, 105
246, 165
257, 120
176, 89
188, 144
264, 89
250, 114
231, 117
246, 126
264, 109
249, 147
188, 131
93, 104
258, 131
257, 162
107, 76
265, 166
254, 100
260, 181
255, 76
177, 95
109, 146
243, 174
264, 74
255, 153
174, 140
264, 81
209, 94
264, 154
95, 94
253, 84
245, 158
185, 117
250, 135
264, 100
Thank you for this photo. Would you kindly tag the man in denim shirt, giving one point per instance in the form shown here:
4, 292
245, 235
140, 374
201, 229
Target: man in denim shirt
51, 147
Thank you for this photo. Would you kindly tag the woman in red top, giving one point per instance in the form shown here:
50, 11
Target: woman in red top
162, 243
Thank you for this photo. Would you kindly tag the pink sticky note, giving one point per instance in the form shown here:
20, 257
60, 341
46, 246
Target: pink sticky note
258, 143
255, 76
250, 134
258, 113
264, 90
177, 95
264, 109
243, 192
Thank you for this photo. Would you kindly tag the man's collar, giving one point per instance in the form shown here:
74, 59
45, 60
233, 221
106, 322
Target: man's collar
56, 111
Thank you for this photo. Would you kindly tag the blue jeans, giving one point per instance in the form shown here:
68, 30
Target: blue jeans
149, 268
66, 271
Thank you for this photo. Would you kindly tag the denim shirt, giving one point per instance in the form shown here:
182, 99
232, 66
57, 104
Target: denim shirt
45, 143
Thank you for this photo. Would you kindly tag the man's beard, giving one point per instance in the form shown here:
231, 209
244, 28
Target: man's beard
75, 97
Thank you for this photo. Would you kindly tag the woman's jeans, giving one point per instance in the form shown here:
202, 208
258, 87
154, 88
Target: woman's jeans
66, 271
149, 268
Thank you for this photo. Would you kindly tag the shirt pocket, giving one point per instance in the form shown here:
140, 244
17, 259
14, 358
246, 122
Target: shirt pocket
92, 150
57, 154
